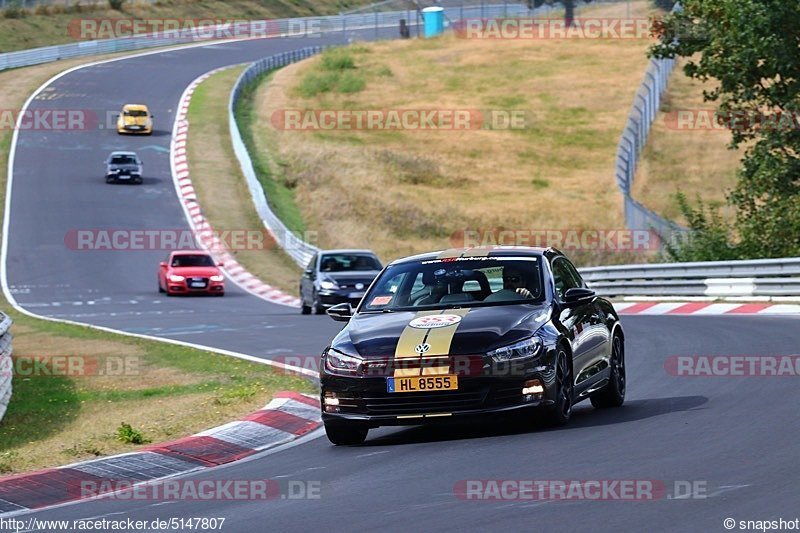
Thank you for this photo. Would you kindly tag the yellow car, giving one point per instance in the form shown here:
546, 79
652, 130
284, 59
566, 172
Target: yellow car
135, 118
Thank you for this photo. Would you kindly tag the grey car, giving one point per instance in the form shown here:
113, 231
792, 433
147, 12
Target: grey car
337, 276
123, 167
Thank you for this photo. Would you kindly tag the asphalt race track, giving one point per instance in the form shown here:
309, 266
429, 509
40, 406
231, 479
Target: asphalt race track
735, 438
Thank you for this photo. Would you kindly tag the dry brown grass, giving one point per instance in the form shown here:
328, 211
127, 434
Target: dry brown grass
220, 186
695, 161
405, 192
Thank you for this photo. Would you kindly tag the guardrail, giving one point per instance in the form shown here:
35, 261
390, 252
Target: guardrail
290, 27
646, 104
6, 365
295, 247
762, 278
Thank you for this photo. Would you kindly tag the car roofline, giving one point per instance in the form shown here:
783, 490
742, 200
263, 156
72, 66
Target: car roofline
478, 252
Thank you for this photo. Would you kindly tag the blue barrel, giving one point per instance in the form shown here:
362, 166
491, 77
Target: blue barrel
434, 21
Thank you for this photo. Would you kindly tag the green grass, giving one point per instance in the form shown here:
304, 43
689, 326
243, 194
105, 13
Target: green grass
337, 73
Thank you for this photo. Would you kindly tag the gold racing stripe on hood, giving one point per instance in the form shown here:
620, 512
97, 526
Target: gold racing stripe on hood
439, 340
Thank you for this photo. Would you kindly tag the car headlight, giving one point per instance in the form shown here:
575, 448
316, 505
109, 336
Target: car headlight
339, 363
328, 284
520, 350
217, 278
176, 278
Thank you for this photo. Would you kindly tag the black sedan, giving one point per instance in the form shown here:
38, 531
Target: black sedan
337, 276
459, 333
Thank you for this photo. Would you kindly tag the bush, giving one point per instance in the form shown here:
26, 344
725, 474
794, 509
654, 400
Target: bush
336, 60
129, 435
709, 238
116, 4
14, 11
350, 82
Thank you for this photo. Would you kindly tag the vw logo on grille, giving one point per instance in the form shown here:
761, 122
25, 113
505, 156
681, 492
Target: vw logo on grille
359, 286
422, 348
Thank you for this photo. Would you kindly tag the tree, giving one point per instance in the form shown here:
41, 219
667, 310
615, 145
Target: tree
750, 48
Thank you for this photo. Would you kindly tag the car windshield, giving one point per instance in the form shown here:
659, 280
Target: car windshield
123, 160
135, 113
192, 260
348, 262
462, 282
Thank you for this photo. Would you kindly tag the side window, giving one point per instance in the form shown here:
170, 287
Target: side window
564, 277
573, 272
312, 265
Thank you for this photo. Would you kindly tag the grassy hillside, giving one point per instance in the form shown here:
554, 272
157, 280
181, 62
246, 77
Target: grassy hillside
684, 152
401, 191
43, 26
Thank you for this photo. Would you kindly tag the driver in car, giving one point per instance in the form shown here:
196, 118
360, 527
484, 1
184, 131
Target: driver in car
514, 280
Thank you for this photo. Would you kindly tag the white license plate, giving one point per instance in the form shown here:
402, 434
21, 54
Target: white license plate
355, 295
198, 284
123, 177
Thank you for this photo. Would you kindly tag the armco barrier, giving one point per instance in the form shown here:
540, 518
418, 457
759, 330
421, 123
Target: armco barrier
760, 279
292, 27
297, 249
5, 363
646, 104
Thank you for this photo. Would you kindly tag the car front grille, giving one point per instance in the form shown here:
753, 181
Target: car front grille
433, 402
194, 283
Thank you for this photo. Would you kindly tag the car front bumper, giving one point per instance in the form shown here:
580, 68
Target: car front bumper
181, 287
328, 298
366, 400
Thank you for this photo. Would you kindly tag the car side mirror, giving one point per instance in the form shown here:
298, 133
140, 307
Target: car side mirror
341, 312
220, 264
163, 264
578, 295
309, 273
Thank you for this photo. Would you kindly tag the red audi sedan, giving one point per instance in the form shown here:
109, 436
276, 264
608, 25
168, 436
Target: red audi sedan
190, 272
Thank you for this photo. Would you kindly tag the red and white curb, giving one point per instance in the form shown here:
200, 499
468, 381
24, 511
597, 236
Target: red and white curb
286, 418
202, 229
704, 308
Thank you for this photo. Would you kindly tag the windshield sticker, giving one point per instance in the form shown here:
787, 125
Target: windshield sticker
434, 321
381, 300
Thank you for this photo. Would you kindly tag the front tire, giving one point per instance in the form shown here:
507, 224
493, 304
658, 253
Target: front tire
346, 434
318, 308
613, 394
559, 414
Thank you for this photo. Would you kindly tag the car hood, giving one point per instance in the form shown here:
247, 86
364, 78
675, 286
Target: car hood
203, 272
478, 330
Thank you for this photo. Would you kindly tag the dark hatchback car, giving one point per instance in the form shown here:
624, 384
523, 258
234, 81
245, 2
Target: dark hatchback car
460, 333
337, 276
123, 167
